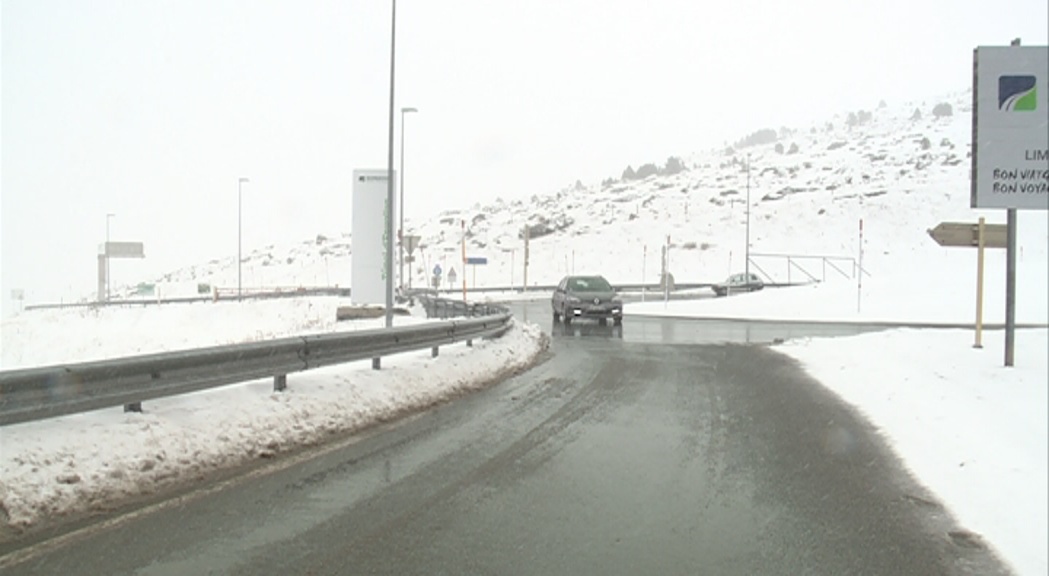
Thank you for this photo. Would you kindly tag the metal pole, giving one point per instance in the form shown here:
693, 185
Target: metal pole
524, 285
400, 207
240, 193
389, 180
746, 265
400, 210
1010, 276
464, 259
979, 284
644, 261
859, 281
665, 272
108, 216
1010, 285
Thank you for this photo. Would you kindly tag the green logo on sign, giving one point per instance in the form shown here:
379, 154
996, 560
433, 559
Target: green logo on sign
1017, 93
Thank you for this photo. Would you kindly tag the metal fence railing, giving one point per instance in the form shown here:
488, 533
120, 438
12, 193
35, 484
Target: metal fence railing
37, 393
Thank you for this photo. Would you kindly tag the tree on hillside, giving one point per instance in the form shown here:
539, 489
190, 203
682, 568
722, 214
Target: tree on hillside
942, 110
764, 136
646, 170
629, 174
674, 165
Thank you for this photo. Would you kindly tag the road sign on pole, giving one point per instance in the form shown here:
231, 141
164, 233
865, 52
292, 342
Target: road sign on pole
979, 236
1010, 145
966, 234
411, 243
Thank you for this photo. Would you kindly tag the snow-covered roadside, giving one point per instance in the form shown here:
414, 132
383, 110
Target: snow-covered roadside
84, 461
971, 430
57, 336
883, 300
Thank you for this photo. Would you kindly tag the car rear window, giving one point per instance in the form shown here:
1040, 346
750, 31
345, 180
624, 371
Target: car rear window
589, 284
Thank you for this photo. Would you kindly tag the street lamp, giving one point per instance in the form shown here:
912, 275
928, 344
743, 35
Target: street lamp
390, 198
240, 195
400, 235
746, 265
108, 216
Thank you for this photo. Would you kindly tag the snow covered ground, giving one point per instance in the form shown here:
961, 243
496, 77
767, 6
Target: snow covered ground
971, 430
878, 301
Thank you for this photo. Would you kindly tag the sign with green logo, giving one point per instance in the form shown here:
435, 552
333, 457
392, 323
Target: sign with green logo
1010, 157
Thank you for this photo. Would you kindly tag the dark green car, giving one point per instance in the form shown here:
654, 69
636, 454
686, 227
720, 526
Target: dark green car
586, 297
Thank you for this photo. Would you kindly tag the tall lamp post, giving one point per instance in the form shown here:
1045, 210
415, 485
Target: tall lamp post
746, 265
108, 216
400, 234
390, 198
240, 202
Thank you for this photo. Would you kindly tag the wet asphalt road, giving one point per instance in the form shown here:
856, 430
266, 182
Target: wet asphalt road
640, 451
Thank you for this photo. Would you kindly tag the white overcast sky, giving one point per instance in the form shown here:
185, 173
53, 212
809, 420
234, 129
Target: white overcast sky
152, 109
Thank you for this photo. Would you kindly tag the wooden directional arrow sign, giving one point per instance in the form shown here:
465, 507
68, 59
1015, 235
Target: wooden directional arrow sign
968, 235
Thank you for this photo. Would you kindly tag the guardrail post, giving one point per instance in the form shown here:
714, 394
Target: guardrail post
469, 343
433, 352
133, 407
376, 363
280, 382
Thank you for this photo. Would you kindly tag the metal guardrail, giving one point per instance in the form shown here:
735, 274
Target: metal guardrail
654, 287
224, 295
437, 307
45, 392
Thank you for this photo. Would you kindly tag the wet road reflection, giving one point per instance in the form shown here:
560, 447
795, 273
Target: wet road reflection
655, 330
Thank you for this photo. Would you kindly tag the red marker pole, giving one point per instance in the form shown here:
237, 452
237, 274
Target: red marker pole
859, 277
464, 260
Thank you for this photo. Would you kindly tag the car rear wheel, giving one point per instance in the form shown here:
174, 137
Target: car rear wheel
617, 321
557, 317
567, 317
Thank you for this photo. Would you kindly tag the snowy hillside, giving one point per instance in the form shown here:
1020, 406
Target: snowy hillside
809, 189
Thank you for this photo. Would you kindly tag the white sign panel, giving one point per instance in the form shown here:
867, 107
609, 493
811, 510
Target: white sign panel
1010, 160
368, 260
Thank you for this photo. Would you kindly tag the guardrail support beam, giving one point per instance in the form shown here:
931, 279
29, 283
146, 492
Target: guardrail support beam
376, 363
469, 343
433, 352
133, 407
280, 382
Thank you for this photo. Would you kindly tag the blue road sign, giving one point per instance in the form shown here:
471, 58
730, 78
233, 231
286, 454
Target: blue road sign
476, 260
437, 270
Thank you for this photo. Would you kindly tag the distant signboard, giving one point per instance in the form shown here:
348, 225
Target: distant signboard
1010, 156
475, 260
123, 250
368, 221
